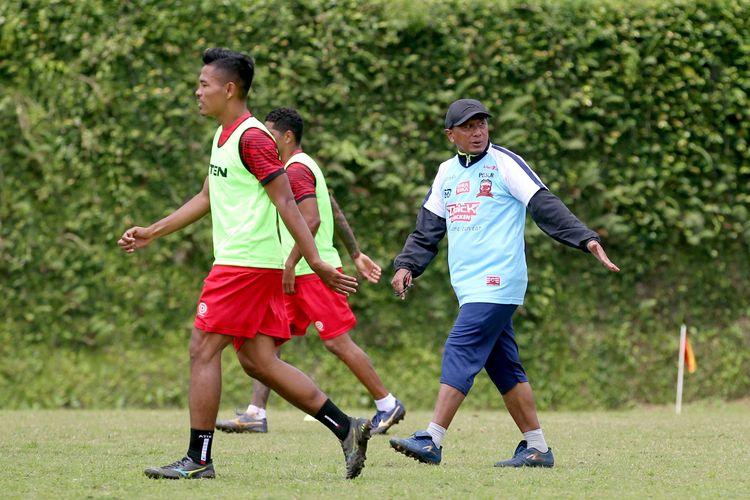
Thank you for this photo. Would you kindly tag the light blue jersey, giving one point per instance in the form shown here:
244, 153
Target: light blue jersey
484, 207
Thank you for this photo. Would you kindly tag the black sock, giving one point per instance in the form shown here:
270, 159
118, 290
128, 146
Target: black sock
200, 446
333, 418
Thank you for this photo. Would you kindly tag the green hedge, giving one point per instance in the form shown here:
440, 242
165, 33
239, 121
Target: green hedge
635, 113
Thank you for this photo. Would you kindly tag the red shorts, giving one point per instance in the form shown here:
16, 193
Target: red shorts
315, 303
242, 302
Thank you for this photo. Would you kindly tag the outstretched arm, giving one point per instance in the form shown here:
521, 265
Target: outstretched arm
138, 237
557, 221
364, 264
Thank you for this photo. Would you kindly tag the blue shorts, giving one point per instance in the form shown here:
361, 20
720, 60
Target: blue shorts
482, 337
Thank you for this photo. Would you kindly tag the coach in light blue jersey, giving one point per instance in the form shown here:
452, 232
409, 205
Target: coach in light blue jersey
479, 198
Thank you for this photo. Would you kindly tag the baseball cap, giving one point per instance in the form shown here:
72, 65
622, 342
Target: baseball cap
463, 109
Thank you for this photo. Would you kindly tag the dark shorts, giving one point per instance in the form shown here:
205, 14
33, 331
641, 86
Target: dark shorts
482, 337
242, 302
313, 302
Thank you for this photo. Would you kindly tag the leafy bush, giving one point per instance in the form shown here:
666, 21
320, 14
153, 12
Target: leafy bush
635, 114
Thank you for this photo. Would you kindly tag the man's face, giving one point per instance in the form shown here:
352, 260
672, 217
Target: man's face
471, 136
211, 92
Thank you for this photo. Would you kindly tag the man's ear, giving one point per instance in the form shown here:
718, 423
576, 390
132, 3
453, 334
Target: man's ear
230, 89
288, 137
449, 134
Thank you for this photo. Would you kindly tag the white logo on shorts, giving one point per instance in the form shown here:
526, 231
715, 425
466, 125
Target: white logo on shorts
202, 309
319, 325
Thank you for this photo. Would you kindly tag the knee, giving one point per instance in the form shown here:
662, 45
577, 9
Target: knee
249, 364
202, 350
256, 365
340, 345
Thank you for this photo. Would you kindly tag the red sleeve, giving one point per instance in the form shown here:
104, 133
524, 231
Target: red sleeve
302, 181
259, 155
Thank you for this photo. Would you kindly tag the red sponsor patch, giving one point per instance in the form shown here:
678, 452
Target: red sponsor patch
463, 187
492, 280
462, 212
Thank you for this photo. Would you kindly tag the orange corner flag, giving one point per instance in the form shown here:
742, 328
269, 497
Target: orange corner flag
690, 363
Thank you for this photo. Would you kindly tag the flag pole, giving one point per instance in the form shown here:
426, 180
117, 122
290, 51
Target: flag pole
680, 368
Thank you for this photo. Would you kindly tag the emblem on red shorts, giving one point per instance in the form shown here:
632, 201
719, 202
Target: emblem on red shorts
202, 309
320, 326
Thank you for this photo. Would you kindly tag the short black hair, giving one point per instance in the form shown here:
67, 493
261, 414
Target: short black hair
284, 119
237, 67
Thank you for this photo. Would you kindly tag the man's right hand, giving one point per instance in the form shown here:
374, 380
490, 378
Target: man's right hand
135, 238
333, 279
367, 268
401, 282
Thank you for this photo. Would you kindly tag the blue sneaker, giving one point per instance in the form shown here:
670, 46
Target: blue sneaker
419, 446
384, 420
528, 457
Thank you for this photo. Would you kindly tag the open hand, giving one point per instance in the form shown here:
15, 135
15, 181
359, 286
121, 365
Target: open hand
597, 251
367, 268
336, 281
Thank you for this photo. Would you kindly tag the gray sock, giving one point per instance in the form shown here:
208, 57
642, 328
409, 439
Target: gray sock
437, 432
535, 439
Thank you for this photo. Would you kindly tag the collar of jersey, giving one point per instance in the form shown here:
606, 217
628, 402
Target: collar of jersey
466, 160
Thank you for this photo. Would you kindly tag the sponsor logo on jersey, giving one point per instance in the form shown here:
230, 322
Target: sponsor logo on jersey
462, 212
217, 171
463, 187
485, 188
490, 167
492, 280
486, 175
447, 192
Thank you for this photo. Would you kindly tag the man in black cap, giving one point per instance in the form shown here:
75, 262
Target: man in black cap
479, 198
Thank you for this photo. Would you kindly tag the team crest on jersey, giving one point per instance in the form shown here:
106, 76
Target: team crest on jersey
485, 188
447, 192
463, 187
462, 212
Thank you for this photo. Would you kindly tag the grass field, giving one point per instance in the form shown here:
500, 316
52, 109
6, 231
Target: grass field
645, 452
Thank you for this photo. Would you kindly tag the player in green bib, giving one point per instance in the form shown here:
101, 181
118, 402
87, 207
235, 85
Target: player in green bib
308, 301
242, 302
